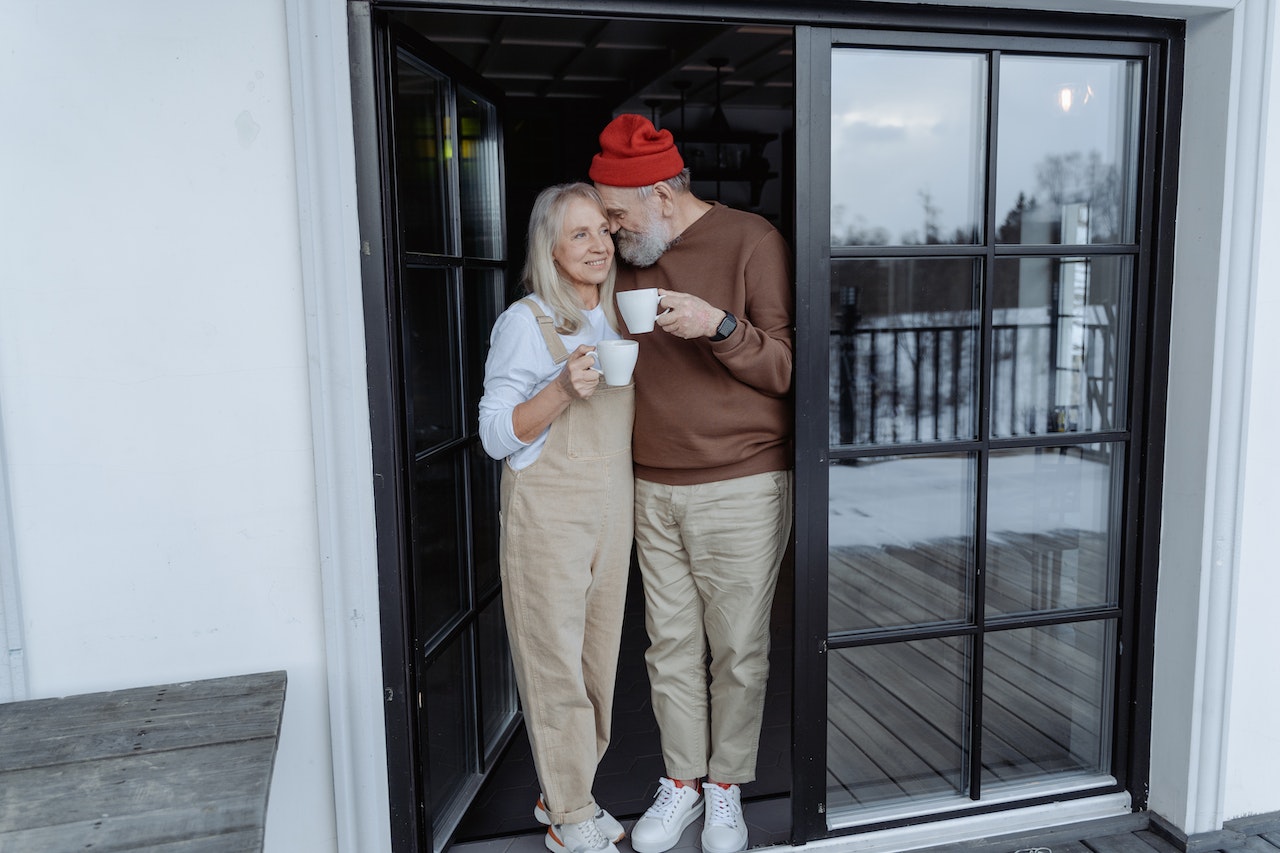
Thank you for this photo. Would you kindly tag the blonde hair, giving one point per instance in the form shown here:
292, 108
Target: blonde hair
542, 277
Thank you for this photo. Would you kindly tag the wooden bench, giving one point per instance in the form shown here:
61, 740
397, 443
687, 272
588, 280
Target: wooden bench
178, 768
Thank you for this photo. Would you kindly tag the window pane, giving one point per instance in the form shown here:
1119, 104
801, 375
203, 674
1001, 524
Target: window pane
1067, 152
907, 147
1047, 703
436, 528
1060, 345
422, 156
433, 389
481, 298
900, 541
497, 677
904, 345
479, 173
1053, 515
486, 474
897, 726
449, 737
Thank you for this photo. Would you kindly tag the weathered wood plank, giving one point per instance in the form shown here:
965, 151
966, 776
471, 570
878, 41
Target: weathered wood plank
245, 841
1258, 824
875, 772
44, 796
54, 731
874, 587
1259, 844
1068, 847
229, 823
1156, 841
180, 768
1127, 842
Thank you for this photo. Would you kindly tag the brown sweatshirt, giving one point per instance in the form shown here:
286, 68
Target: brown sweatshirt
714, 411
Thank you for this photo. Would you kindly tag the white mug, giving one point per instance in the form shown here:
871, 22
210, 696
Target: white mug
617, 360
639, 308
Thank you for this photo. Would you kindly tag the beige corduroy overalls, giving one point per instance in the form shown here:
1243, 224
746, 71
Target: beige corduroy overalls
565, 553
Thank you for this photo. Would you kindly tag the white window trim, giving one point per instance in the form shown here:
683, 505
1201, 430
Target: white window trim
330, 239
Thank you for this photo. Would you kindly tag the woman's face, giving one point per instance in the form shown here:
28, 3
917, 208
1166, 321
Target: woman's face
584, 251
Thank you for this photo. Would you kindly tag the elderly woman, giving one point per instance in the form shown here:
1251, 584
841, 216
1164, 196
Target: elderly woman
566, 505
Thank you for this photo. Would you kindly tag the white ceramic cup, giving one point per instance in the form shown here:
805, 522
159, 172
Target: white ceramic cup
639, 309
617, 360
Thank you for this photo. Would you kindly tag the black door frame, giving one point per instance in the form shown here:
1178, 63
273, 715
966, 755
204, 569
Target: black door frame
1148, 394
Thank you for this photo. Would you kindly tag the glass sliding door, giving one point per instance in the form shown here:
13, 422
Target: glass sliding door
975, 321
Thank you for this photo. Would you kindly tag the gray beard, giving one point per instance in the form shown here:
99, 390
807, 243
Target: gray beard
640, 250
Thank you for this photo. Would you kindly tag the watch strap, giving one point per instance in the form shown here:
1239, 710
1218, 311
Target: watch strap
726, 327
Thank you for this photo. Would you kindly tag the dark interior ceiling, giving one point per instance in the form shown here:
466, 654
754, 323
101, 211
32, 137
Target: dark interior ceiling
640, 66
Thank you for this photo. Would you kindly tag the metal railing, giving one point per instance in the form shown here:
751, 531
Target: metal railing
911, 384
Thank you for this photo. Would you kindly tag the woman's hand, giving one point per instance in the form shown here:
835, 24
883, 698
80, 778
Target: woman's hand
687, 316
580, 377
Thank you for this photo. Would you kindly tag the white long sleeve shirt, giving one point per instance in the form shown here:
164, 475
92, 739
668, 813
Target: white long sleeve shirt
518, 367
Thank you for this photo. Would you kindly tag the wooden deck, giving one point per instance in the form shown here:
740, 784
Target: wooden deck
1135, 833
898, 713
178, 768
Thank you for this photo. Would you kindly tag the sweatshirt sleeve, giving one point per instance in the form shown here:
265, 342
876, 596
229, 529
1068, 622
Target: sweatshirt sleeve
510, 378
759, 352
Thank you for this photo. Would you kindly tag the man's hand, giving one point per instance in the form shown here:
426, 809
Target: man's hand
687, 316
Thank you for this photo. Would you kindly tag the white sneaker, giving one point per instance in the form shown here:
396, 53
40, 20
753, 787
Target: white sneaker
723, 828
659, 828
608, 824
584, 837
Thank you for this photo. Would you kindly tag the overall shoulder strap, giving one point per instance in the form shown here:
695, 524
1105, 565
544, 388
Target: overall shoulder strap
547, 326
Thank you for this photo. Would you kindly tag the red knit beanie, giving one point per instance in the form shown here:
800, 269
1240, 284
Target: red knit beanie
633, 153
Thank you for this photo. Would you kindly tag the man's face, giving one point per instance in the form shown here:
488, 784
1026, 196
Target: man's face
639, 229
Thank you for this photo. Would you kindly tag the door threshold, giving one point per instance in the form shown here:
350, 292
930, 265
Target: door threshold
1070, 819
996, 832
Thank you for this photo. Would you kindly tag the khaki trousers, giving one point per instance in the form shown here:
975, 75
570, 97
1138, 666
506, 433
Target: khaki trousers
709, 556
565, 552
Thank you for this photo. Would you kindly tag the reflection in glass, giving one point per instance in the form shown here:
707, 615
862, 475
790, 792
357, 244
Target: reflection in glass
479, 168
423, 152
481, 301
900, 541
1067, 159
907, 142
1046, 703
486, 476
437, 537
447, 712
1052, 523
896, 726
433, 392
497, 677
903, 350
1060, 345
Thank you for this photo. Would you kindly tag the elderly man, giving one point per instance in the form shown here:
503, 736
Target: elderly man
713, 456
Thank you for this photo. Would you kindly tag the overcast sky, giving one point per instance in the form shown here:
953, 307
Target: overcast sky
906, 123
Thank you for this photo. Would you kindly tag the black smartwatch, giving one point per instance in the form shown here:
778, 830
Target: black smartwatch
726, 327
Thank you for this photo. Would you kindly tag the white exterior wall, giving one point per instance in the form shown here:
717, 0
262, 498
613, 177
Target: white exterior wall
175, 373
153, 364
